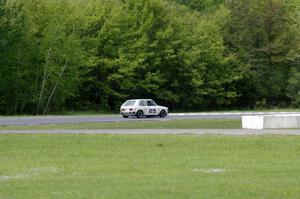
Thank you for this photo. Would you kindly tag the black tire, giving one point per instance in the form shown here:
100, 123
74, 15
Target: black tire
125, 116
163, 114
139, 114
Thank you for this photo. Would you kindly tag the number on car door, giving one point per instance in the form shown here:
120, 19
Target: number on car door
151, 107
152, 111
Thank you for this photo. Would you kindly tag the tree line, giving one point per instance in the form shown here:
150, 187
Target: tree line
59, 55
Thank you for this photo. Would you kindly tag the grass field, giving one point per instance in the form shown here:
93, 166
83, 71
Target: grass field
147, 166
137, 124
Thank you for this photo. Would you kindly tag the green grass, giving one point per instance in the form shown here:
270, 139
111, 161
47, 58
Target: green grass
148, 166
137, 124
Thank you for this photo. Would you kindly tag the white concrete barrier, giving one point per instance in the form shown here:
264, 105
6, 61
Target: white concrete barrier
286, 121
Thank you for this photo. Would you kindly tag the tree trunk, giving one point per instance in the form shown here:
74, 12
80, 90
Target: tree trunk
54, 89
44, 80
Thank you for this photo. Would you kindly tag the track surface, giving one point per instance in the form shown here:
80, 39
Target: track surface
39, 120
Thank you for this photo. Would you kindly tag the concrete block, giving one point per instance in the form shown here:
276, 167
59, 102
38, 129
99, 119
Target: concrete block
253, 122
286, 121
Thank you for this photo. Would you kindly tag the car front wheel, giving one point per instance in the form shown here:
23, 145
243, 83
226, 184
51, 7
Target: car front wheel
125, 116
139, 114
162, 114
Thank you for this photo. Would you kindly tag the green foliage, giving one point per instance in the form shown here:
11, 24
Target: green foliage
160, 50
201, 5
13, 52
262, 34
293, 90
41, 56
60, 55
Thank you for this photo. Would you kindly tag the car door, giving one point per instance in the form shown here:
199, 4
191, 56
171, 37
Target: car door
144, 107
152, 109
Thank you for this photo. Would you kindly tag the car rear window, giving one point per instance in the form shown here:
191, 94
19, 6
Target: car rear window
129, 103
142, 103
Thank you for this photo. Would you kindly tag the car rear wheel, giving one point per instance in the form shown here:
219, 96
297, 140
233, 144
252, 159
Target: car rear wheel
139, 114
125, 116
162, 114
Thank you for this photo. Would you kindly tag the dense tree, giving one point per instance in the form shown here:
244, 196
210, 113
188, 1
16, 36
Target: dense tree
202, 5
60, 55
40, 54
160, 50
262, 34
293, 90
13, 27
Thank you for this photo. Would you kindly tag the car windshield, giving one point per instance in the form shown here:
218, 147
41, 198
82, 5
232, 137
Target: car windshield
129, 103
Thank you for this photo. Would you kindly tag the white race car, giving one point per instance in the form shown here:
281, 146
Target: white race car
142, 107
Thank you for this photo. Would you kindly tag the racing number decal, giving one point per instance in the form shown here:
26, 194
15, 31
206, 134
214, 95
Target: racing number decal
152, 110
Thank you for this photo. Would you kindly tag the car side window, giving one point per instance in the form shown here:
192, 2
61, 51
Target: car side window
151, 103
142, 103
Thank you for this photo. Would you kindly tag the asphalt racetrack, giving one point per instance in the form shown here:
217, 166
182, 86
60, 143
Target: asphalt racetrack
40, 120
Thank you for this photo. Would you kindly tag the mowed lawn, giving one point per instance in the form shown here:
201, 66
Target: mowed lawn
149, 166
